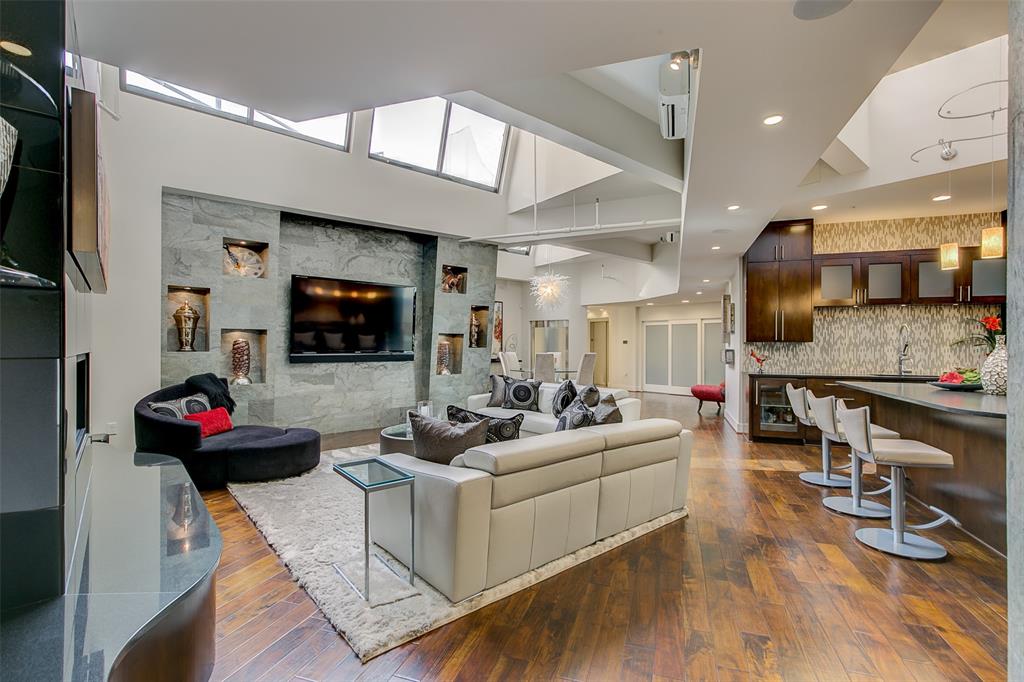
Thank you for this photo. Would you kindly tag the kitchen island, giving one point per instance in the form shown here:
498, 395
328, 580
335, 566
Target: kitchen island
971, 427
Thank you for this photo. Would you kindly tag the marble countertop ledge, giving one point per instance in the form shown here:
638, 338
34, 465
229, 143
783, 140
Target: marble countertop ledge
147, 540
974, 403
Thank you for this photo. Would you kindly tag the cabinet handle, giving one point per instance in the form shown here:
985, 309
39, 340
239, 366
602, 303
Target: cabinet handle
783, 325
776, 324
775, 252
959, 293
832, 384
757, 392
783, 252
968, 292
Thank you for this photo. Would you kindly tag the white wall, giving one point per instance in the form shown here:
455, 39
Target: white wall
515, 298
559, 170
156, 145
735, 378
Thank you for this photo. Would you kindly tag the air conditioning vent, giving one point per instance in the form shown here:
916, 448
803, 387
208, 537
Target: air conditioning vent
674, 100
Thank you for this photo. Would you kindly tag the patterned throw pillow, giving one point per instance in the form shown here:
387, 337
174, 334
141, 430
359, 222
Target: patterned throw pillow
564, 395
576, 416
521, 394
498, 428
179, 408
607, 411
590, 395
497, 398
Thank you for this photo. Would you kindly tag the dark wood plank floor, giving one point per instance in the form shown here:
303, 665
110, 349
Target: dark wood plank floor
760, 582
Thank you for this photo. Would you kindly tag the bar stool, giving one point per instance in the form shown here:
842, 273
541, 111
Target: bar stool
826, 477
824, 412
897, 453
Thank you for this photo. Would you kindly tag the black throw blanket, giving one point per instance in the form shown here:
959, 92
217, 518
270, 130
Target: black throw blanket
214, 388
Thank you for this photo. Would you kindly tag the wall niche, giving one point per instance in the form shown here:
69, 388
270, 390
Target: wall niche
454, 279
245, 259
187, 301
449, 354
479, 326
235, 367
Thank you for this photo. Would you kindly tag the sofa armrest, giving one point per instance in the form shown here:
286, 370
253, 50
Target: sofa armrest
630, 409
683, 468
476, 402
160, 433
453, 517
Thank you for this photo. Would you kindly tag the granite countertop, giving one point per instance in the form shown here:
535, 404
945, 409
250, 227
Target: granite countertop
834, 375
146, 541
959, 402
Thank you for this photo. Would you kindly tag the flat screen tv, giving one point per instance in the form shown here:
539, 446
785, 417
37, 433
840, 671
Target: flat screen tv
337, 320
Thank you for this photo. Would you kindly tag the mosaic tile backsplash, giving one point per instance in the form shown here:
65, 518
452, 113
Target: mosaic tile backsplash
864, 341
902, 233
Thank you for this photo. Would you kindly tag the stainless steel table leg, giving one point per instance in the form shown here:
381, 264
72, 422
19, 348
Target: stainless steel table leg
412, 531
366, 545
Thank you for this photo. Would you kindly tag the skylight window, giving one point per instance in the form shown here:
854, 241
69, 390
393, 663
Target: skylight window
331, 131
441, 138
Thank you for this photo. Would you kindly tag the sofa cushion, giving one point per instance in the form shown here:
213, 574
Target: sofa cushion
576, 416
607, 411
563, 397
440, 441
240, 435
639, 455
528, 453
642, 431
498, 428
178, 408
521, 394
533, 422
523, 485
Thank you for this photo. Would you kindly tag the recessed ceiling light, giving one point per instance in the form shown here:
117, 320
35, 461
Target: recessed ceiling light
685, 300
774, 119
650, 304
706, 281
715, 247
15, 48
819, 207
734, 207
942, 197
678, 59
699, 293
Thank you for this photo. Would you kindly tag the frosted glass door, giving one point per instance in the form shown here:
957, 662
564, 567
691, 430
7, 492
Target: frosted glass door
656, 354
685, 355
714, 369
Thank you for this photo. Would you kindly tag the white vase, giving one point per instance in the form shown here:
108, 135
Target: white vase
993, 372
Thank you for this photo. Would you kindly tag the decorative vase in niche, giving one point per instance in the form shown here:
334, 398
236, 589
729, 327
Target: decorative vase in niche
186, 319
444, 356
994, 372
241, 362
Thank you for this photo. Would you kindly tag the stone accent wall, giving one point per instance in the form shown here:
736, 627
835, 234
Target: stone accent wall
329, 397
902, 233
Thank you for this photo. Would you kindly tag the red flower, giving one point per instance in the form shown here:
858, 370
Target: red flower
992, 323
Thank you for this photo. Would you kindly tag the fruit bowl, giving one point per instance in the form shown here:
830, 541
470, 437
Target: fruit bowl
955, 387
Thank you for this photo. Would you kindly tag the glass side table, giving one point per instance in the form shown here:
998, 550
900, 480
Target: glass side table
371, 475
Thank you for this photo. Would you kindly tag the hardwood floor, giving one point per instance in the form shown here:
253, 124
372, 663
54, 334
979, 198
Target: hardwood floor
760, 582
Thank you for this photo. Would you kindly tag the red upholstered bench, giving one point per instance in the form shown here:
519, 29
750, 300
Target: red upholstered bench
704, 392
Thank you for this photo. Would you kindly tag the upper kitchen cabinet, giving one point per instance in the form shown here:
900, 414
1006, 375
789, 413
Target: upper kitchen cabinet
863, 279
982, 280
779, 304
783, 240
930, 284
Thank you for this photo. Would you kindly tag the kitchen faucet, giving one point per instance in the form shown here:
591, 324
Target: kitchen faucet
903, 354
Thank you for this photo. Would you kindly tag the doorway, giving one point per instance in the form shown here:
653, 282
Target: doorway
678, 354
599, 345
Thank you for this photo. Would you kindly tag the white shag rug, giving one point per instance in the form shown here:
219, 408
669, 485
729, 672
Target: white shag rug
315, 521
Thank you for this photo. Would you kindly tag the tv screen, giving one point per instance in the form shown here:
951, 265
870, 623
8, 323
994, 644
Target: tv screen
342, 318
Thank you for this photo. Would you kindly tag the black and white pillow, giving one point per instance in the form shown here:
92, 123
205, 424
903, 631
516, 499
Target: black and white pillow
498, 428
576, 416
497, 398
607, 411
590, 395
521, 394
182, 406
564, 395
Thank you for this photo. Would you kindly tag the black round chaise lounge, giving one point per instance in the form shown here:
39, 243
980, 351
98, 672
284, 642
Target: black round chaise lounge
246, 453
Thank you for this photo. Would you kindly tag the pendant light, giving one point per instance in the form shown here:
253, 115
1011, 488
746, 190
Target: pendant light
993, 239
949, 253
547, 289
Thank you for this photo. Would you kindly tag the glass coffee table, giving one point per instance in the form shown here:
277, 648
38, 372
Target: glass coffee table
371, 475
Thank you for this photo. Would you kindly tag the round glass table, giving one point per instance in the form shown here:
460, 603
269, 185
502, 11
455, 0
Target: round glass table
396, 438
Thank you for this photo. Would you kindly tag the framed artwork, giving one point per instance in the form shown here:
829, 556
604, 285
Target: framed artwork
497, 333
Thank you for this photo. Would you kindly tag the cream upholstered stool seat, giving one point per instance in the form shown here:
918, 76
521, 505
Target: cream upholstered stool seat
896, 454
832, 431
826, 477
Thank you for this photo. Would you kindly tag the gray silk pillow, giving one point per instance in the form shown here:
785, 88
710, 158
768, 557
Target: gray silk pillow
564, 395
590, 396
497, 391
440, 441
607, 411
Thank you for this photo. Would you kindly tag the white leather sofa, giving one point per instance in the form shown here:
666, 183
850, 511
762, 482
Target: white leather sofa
502, 509
535, 423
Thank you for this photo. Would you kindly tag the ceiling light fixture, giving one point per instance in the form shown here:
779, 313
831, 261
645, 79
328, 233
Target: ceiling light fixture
949, 256
15, 48
685, 300
942, 197
993, 238
715, 247
774, 119
707, 281
650, 304
699, 293
734, 207
678, 59
819, 207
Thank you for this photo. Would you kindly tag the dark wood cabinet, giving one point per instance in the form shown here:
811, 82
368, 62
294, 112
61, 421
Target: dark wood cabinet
930, 284
836, 281
864, 279
762, 301
796, 308
771, 416
981, 280
783, 240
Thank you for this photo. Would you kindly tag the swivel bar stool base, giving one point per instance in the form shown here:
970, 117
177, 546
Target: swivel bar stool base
826, 477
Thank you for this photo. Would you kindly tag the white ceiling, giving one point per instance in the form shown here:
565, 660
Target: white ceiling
621, 185
956, 25
633, 83
971, 189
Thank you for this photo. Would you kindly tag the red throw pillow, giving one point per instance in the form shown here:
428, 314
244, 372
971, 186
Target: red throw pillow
212, 421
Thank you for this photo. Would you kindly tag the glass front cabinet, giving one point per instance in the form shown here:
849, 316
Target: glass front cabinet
771, 415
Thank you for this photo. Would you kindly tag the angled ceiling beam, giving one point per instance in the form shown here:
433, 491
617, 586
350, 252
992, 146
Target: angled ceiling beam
564, 110
620, 248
